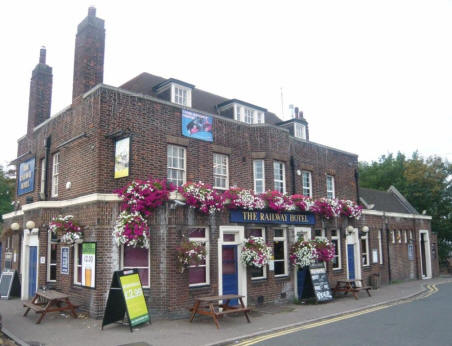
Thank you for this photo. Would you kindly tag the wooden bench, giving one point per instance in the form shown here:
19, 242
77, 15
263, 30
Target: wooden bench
38, 308
352, 286
210, 306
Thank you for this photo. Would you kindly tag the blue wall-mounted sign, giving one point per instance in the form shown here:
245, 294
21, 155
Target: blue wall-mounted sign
64, 260
195, 125
259, 216
26, 182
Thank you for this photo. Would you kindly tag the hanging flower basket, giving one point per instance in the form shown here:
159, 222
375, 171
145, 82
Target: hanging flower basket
202, 197
302, 254
324, 250
255, 253
326, 208
131, 230
277, 201
71, 232
143, 196
239, 198
191, 253
350, 209
304, 203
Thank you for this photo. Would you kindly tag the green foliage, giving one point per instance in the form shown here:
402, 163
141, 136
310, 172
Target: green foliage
425, 183
7, 190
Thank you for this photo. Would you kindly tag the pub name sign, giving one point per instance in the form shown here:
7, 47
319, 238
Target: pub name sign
289, 218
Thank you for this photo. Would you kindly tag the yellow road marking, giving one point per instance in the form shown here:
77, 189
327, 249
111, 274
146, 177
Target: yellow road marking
431, 290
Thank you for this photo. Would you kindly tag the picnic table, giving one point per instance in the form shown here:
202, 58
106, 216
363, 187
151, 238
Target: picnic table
353, 286
46, 301
210, 306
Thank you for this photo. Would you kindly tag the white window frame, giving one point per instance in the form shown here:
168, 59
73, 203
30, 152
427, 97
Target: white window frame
366, 252
337, 237
399, 236
330, 190
280, 181
284, 240
170, 167
322, 234
49, 256
43, 176
411, 235
264, 272
299, 131
238, 112
260, 118
380, 247
306, 188
148, 267
175, 97
256, 179
405, 238
55, 173
77, 280
223, 161
248, 116
207, 265
393, 236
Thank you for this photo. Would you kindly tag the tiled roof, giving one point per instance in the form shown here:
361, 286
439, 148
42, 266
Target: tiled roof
201, 100
389, 201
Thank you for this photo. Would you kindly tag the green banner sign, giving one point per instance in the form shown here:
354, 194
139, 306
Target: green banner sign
133, 295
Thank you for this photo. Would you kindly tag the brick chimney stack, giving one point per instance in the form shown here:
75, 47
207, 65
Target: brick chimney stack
89, 54
40, 93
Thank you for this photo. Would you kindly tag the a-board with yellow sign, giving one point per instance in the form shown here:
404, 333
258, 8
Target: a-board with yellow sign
126, 297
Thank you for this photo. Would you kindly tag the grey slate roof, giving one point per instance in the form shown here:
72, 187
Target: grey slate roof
390, 201
201, 100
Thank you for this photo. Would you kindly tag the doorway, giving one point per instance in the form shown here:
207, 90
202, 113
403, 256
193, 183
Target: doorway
32, 270
300, 274
30, 261
353, 255
231, 272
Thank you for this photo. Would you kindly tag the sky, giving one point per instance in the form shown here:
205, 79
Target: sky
371, 77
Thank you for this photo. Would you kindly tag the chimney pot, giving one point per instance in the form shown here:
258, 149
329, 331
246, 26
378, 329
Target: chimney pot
91, 11
42, 55
296, 112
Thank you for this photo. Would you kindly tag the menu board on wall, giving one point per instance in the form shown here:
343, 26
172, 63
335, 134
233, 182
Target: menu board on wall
65, 260
89, 265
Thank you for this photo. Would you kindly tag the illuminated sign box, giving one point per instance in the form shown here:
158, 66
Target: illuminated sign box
26, 181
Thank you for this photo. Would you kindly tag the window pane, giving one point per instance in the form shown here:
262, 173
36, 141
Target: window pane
144, 276
228, 237
196, 275
255, 232
279, 268
197, 233
279, 250
257, 272
53, 253
135, 257
278, 233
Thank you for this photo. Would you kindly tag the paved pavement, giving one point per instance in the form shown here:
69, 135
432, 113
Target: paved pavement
57, 329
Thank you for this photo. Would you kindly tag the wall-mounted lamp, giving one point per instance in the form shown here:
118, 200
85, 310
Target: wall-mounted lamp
15, 226
30, 225
349, 229
365, 229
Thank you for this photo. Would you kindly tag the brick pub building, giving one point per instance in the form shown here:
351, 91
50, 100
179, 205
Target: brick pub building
66, 164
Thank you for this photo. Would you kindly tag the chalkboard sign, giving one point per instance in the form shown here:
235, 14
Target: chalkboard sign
320, 283
9, 285
314, 284
126, 297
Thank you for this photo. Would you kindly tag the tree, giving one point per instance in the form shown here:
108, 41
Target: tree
7, 190
426, 184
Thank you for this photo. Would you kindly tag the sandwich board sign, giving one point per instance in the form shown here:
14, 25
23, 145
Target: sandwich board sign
126, 297
313, 283
9, 285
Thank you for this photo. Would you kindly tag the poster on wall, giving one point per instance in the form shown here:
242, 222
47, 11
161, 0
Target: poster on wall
65, 260
195, 125
89, 265
122, 156
26, 181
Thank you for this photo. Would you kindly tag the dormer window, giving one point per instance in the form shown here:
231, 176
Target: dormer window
180, 95
300, 131
175, 91
242, 111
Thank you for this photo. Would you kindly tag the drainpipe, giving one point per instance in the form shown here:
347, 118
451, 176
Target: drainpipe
47, 156
357, 185
385, 228
292, 169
